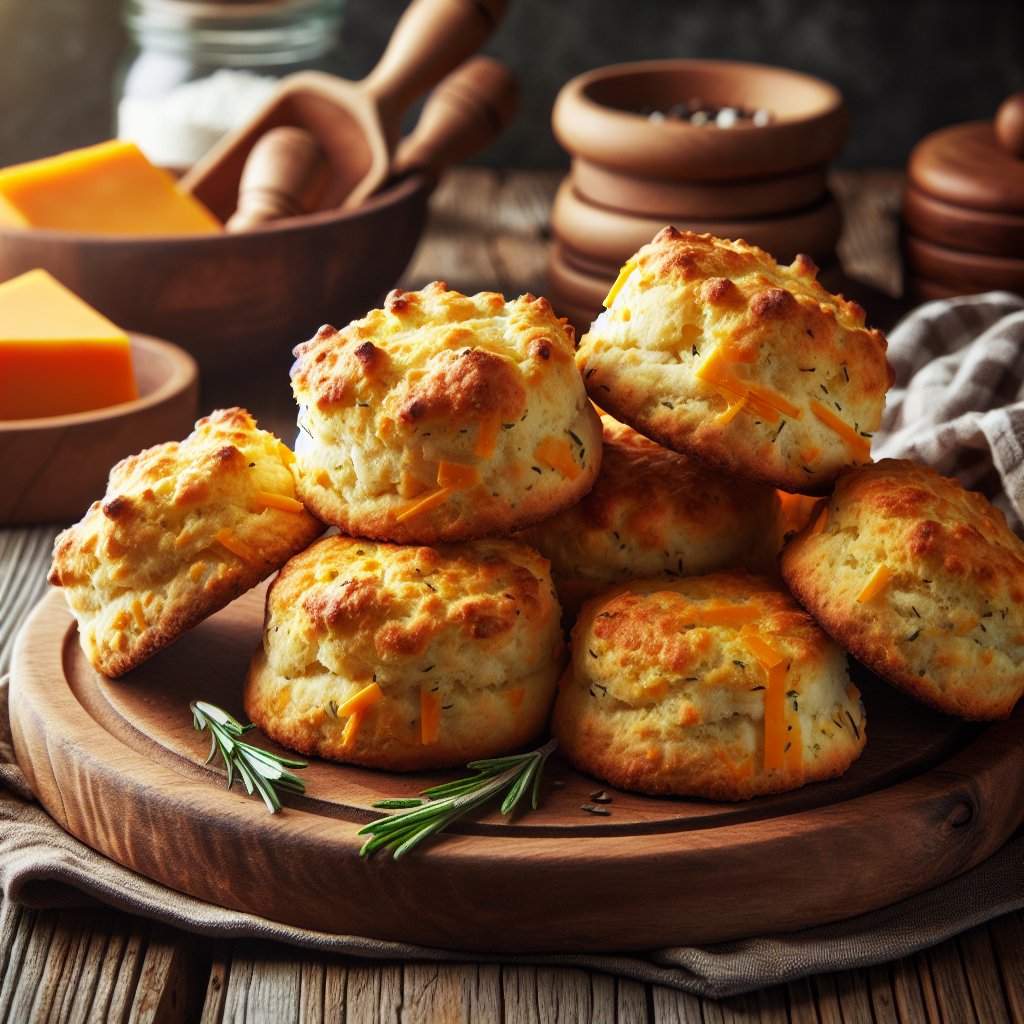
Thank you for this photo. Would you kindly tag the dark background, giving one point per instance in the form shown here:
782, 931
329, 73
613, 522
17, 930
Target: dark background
905, 68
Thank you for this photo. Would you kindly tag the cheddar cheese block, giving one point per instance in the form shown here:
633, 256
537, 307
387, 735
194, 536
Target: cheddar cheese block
57, 354
109, 188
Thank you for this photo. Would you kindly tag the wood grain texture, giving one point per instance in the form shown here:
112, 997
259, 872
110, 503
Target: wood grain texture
656, 872
56, 466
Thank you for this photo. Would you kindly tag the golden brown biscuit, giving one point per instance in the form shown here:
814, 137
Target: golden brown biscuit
718, 686
407, 657
921, 580
655, 512
443, 417
709, 347
184, 528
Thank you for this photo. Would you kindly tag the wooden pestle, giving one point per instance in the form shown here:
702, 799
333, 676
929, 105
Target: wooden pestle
284, 175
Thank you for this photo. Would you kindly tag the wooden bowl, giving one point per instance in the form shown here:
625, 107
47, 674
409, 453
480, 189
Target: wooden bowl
573, 291
966, 271
659, 197
236, 301
614, 235
56, 466
960, 227
598, 116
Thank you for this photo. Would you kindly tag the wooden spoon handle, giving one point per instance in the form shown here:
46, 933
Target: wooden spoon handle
431, 38
463, 115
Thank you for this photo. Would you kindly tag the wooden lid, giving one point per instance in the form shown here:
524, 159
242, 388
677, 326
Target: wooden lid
966, 165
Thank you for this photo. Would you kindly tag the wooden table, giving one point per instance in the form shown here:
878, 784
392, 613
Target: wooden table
487, 231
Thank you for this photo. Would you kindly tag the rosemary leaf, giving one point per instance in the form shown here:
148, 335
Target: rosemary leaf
446, 803
259, 770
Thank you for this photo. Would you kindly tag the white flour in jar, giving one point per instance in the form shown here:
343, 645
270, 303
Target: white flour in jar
176, 128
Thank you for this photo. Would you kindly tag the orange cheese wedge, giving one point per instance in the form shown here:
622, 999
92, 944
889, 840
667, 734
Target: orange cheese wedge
57, 354
109, 188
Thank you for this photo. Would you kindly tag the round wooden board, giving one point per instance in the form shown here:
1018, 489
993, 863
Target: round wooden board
117, 764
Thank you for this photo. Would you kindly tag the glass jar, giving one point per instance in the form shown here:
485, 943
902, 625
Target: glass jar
195, 69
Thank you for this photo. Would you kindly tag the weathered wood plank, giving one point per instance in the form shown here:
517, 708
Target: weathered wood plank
357, 992
1008, 942
457, 251
171, 979
979, 964
952, 996
519, 238
773, 1004
883, 1000
803, 1001
672, 1007
631, 1002
908, 989
217, 983
456, 993
264, 984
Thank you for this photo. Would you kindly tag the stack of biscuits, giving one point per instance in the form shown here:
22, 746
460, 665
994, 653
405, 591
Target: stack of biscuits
689, 497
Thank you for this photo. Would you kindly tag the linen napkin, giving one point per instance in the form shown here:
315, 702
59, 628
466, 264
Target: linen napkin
958, 404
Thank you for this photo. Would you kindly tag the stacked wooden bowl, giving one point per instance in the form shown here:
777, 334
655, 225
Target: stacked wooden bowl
738, 150
963, 207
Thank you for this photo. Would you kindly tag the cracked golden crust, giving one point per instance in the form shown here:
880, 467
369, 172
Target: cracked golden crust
475, 625
443, 392
183, 529
709, 347
945, 620
671, 690
654, 512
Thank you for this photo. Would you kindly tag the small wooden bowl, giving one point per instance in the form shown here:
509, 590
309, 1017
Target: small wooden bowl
614, 235
960, 227
598, 116
236, 301
967, 271
575, 292
56, 466
657, 197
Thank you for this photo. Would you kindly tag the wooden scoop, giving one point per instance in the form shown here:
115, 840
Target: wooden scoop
357, 124
463, 115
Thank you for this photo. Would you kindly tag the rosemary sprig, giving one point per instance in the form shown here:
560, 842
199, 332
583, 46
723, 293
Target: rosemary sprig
421, 818
259, 770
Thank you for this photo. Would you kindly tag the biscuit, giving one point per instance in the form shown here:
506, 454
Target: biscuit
443, 417
922, 581
183, 529
406, 657
709, 347
654, 512
717, 686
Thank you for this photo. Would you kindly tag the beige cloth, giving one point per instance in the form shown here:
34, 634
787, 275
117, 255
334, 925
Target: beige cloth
958, 404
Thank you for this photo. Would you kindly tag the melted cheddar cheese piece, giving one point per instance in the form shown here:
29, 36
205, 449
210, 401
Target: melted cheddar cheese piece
109, 188
57, 354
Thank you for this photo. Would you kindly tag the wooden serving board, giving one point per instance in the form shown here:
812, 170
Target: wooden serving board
117, 764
